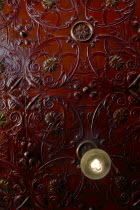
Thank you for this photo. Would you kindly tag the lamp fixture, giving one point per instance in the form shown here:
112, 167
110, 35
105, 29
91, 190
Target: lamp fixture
95, 164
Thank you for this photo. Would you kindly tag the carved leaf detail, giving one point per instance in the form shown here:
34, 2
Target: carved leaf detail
12, 104
37, 80
112, 3
13, 81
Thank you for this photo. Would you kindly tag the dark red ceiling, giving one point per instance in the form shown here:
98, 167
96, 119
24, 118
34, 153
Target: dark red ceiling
69, 80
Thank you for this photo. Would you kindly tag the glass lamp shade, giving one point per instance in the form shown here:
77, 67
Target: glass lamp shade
95, 164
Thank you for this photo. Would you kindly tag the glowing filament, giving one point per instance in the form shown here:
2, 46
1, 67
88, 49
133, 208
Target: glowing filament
96, 165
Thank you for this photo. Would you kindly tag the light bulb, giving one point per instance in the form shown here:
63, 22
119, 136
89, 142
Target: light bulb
95, 164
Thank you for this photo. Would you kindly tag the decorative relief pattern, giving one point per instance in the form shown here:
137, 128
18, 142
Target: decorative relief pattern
69, 82
52, 118
49, 4
2, 2
2, 119
84, 147
120, 116
121, 182
58, 10
56, 186
112, 3
116, 62
105, 12
82, 31
2, 68
50, 64
4, 186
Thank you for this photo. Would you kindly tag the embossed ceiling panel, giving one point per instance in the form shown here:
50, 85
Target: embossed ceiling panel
69, 80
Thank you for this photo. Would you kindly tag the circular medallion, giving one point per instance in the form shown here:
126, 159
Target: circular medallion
82, 31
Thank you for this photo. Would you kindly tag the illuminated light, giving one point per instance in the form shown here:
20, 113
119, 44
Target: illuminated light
95, 164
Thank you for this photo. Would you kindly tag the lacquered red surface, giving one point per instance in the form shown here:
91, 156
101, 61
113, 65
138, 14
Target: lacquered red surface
51, 115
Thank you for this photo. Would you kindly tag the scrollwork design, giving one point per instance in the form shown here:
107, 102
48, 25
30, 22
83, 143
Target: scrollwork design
57, 91
60, 8
11, 16
104, 8
56, 185
11, 185
64, 73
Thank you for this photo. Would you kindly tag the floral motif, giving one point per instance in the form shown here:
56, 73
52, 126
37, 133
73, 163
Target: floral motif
121, 182
112, 3
2, 119
56, 186
51, 64
116, 62
1, 5
49, 4
120, 116
4, 186
52, 119
45, 127
82, 31
2, 67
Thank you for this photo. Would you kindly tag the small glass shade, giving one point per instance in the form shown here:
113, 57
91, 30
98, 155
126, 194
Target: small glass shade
95, 164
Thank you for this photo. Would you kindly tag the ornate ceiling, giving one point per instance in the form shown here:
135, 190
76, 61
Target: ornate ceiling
69, 80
